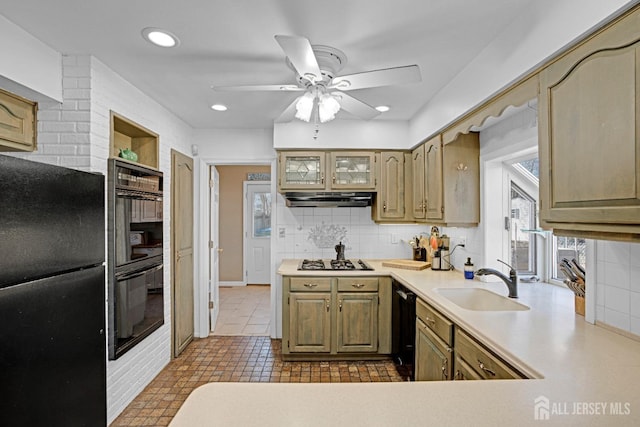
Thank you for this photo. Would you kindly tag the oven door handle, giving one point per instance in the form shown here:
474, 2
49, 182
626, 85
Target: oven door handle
139, 273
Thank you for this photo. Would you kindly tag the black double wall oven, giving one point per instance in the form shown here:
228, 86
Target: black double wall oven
136, 302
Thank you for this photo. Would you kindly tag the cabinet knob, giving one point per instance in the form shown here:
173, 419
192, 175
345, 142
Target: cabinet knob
310, 285
357, 285
328, 304
340, 305
322, 178
430, 320
384, 206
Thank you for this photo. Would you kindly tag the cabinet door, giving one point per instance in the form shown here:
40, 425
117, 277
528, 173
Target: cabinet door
310, 322
17, 123
433, 174
357, 322
464, 372
418, 183
461, 180
589, 109
390, 198
302, 170
352, 170
481, 360
433, 356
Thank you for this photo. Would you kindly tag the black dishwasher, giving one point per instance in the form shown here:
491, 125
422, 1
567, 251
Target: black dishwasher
403, 329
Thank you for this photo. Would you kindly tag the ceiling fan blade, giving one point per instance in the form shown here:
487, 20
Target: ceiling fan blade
386, 77
355, 106
298, 50
289, 113
247, 88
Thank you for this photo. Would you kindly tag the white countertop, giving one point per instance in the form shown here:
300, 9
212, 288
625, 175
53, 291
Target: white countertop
582, 370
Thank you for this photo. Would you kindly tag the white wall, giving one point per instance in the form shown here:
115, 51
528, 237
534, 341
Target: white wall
352, 134
29, 67
546, 27
127, 376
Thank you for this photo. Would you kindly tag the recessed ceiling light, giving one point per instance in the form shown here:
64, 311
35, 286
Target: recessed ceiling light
382, 108
219, 107
160, 37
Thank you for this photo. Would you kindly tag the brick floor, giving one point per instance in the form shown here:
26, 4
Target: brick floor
237, 359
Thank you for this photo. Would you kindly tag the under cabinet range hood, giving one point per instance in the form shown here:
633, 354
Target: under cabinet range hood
308, 199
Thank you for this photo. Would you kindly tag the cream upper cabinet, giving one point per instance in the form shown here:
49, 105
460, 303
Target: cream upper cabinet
302, 170
589, 135
446, 190
352, 170
389, 203
433, 173
17, 123
324, 170
419, 207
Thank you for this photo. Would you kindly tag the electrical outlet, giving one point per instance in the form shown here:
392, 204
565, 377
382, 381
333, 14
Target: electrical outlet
463, 240
394, 238
282, 232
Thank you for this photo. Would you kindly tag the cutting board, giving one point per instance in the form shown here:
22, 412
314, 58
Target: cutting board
407, 264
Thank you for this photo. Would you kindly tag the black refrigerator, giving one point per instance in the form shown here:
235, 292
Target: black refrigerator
52, 296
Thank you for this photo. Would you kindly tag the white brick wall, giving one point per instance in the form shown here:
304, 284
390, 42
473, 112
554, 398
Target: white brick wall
76, 134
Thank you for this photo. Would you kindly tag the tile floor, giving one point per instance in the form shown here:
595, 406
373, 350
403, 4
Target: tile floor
244, 310
239, 350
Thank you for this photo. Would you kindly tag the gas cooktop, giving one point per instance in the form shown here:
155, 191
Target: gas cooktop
334, 264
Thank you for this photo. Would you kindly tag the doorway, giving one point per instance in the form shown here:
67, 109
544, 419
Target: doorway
257, 232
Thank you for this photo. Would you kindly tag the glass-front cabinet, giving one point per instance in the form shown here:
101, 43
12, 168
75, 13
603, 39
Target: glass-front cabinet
309, 170
302, 170
352, 170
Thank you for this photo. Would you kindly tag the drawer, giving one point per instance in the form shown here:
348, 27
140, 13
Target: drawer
357, 284
481, 360
310, 284
439, 324
463, 371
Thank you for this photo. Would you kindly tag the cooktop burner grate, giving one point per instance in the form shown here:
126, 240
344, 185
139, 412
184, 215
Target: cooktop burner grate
333, 264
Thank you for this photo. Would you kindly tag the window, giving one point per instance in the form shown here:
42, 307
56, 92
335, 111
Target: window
261, 214
570, 248
522, 240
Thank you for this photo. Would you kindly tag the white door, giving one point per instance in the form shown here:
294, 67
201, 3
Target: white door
257, 232
214, 243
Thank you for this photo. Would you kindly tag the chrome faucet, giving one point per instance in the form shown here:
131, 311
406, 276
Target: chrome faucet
511, 281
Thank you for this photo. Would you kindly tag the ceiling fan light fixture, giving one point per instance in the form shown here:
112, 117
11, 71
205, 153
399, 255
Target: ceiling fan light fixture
328, 106
160, 37
304, 106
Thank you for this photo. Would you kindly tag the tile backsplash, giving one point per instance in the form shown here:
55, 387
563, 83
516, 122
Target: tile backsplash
314, 232
618, 285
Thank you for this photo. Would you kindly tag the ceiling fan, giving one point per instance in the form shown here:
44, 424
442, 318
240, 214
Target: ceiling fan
316, 68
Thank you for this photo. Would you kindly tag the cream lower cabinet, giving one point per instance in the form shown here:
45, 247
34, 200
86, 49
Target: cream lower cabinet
476, 361
310, 322
445, 351
357, 322
589, 139
434, 336
326, 318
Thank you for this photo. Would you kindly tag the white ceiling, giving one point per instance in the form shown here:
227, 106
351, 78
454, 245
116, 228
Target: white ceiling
230, 42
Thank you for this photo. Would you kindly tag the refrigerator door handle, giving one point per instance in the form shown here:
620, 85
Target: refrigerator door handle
139, 273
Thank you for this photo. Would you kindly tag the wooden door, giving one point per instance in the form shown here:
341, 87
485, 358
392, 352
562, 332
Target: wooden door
182, 251
214, 247
310, 322
418, 183
391, 196
357, 322
433, 358
433, 176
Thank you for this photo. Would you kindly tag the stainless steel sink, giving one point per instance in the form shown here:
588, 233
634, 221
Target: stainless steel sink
480, 299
